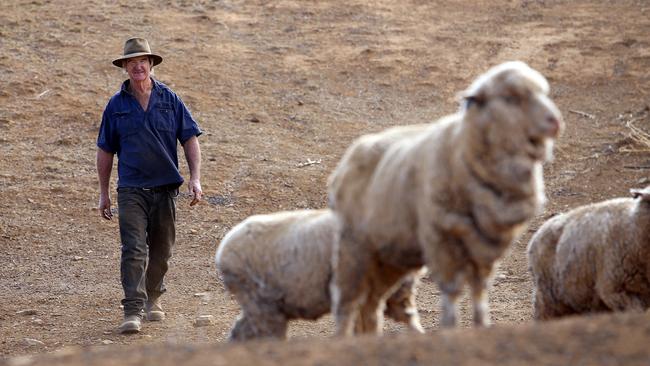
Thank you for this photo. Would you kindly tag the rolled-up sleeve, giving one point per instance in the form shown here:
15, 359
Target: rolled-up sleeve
187, 126
106, 137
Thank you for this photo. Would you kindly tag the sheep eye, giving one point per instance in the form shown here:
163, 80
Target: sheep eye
480, 102
512, 99
535, 141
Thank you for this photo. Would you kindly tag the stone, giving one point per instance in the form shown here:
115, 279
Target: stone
203, 320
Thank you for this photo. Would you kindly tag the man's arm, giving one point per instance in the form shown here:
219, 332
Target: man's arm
104, 167
193, 156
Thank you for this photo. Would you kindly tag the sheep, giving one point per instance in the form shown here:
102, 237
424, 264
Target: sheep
452, 195
593, 258
278, 268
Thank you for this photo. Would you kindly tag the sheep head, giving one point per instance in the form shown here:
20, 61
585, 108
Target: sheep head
510, 122
644, 193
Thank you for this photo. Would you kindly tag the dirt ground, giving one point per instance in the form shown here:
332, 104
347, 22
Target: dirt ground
281, 88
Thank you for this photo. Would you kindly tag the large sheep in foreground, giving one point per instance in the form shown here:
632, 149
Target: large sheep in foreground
593, 258
453, 196
278, 267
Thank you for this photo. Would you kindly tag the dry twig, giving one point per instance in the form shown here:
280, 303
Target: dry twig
309, 162
581, 113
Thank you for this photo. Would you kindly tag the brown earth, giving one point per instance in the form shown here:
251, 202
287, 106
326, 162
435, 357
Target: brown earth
275, 85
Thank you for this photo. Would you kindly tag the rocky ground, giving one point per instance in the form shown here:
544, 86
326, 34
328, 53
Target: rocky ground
281, 88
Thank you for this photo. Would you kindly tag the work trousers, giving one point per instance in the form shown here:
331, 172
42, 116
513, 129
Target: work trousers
147, 220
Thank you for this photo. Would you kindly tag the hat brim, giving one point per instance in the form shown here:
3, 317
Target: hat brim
156, 59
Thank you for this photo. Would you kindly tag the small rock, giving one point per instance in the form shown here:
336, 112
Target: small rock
37, 321
77, 258
27, 312
107, 342
643, 180
201, 294
257, 117
31, 342
203, 320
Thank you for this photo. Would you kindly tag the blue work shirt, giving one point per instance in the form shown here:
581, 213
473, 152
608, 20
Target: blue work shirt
146, 141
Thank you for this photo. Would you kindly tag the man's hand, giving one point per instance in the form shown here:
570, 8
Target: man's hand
194, 187
105, 207
193, 156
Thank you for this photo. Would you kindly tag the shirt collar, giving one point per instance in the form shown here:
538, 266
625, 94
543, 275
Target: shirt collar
155, 85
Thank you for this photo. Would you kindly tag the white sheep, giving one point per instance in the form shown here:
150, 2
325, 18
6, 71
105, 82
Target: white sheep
593, 258
278, 267
453, 195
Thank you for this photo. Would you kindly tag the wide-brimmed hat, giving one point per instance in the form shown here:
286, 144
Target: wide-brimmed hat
136, 47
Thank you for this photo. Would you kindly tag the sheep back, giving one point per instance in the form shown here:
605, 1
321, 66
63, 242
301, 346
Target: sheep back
349, 180
283, 258
592, 258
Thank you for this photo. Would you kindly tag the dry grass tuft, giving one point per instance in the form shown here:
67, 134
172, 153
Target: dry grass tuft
640, 139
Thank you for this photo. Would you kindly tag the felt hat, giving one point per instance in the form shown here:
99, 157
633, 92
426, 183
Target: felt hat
136, 47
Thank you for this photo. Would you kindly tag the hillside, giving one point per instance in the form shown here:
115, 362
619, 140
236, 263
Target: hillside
275, 84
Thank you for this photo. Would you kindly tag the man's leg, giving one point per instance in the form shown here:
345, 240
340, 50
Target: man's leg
162, 234
133, 207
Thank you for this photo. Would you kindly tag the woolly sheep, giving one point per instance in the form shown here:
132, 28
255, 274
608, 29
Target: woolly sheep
452, 196
278, 268
593, 258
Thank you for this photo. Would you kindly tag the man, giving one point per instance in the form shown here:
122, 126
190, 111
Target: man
142, 124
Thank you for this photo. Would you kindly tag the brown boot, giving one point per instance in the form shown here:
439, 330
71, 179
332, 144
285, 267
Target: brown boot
154, 311
130, 325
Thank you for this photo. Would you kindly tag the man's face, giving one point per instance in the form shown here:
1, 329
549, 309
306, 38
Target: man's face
138, 68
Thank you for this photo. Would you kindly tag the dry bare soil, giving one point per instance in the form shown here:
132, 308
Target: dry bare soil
276, 84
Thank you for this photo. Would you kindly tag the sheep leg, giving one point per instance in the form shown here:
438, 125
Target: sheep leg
414, 323
480, 300
450, 290
260, 318
251, 327
383, 280
242, 330
544, 308
275, 326
371, 316
546, 304
345, 304
540, 308
348, 287
445, 264
401, 305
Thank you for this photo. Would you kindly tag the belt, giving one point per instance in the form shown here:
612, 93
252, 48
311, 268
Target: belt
165, 188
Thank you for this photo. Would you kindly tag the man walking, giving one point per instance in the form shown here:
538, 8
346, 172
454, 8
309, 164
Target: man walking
142, 124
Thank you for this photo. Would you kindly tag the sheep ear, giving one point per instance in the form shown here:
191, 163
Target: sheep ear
643, 193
